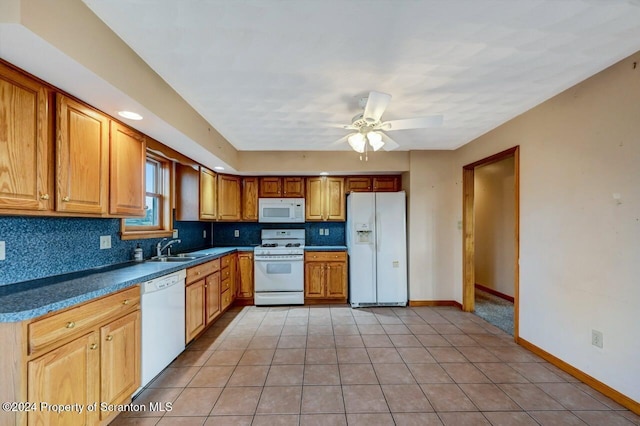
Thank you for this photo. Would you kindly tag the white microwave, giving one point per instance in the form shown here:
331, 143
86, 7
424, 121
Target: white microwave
281, 210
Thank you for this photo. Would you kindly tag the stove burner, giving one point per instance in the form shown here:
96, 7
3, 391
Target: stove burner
270, 245
293, 245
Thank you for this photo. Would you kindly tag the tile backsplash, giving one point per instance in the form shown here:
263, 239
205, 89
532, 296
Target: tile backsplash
37, 247
249, 233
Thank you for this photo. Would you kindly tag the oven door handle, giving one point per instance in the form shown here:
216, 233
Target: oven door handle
262, 259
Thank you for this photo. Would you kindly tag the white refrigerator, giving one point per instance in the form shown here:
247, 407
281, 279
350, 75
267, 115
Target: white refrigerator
377, 244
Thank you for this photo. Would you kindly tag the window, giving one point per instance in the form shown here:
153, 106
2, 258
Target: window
157, 221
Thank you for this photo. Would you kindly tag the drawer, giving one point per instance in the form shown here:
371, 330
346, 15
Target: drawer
226, 261
79, 319
225, 300
325, 256
225, 273
225, 285
202, 270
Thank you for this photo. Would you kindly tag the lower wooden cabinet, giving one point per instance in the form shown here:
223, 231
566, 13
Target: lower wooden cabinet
195, 310
245, 278
325, 276
90, 354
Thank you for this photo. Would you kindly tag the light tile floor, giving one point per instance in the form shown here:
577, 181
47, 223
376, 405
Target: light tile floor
333, 365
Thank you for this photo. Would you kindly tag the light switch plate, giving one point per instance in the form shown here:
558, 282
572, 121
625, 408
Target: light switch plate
321, 231
175, 233
326, 231
105, 242
2, 250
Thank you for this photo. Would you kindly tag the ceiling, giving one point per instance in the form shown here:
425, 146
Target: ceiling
279, 75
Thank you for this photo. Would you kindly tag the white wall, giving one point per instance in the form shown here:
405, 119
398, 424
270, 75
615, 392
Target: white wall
494, 209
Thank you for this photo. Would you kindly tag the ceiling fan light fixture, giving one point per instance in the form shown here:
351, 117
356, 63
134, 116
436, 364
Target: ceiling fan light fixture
357, 142
375, 140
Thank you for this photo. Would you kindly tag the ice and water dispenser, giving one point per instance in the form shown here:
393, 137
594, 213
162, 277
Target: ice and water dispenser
364, 233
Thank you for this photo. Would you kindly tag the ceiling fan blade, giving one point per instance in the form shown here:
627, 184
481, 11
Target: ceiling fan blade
341, 140
376, 104
389, 144
412, 123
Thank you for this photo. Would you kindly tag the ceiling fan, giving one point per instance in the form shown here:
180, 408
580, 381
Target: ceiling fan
369, 128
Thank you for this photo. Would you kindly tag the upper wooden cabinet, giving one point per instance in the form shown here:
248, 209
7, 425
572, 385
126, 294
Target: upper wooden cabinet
325, 199
208, 189
196, 190
26, 181
229, 205
82, 158
127, 171
391, 183
250, 199
286, 187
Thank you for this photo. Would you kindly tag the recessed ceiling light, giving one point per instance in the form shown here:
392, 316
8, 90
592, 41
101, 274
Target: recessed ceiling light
130, 115
324, 173
218, 168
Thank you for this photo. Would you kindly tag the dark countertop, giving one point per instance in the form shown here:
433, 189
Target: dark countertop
325, 248
34, 298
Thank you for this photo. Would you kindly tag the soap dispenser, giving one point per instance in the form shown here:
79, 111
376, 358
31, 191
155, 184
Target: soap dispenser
137, 253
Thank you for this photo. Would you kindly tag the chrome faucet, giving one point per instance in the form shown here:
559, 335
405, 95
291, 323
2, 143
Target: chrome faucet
160, 247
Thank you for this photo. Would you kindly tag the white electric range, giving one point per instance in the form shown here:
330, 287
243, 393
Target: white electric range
279, 267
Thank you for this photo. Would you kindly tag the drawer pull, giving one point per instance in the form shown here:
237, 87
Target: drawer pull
93, 347
65, 198
44, 197
71, 324
198, 273
109, 338
125, 302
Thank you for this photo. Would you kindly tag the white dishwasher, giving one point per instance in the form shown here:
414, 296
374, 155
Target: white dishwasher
162, 303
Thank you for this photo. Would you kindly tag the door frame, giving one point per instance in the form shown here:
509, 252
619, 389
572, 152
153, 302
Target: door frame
468, 231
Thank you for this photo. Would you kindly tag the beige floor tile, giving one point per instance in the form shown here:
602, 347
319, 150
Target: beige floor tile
280, 400
510, 418
249, 375
571, 397
405, 341
237, 401
323, 420
174, 377
489, 397
276, 420
464, 372
136, 421
460, 340
349, 341
321, 356
432, 340
292, 342
285, 375
322, 399
500, 373
352, 355
320, 341
319, 374
530, 397
225, 357
416, 419
358, 374
444, 354
231, 343
266, 330
535, 372
263, 342
345, 330
415, 355
364, 399
421, 329
477, 354
257, 357
377, 341
447, 397
384, 355
195, 402
389, 318
318, 327
182, 421
191, 359
151, 399
288, 356
554, 418
384, 419
367, 320
609, 418
429, 373
406, 398
458, 419
293, 330
216, 376
228, 421
393, 374
514, 354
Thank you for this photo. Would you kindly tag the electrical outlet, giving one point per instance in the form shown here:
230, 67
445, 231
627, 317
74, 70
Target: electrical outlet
596, 338
204, 233
105, 242
321, 231
175, 233
236, 233
326, 231
2, 250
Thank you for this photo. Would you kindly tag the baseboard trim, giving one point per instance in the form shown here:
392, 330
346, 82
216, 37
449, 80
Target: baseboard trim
495, 292
618, 397
416, 303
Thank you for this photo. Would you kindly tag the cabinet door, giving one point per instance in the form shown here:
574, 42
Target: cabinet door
386, 183
228, 197
358, 184
245, 281
195, 309
25, 145
250, 199
335, 205
314, 200
69, 374
187, 187
314, 279
233, 269
212, 290
128, 160
207, 194
270, 187
293, 187
82, 158
336, 280
119, 360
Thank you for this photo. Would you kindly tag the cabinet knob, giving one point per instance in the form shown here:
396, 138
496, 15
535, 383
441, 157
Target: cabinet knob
125, 302
109, 338
44, 197
65, 198
93, 347
71, 324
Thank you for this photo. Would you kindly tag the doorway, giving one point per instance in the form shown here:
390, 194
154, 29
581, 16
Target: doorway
492, 260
